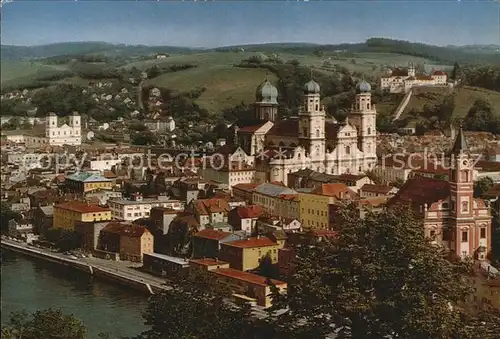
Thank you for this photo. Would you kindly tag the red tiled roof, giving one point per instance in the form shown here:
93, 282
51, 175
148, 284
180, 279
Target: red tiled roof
81, 207
337, 190
251, 129
245, 187
424, 77
207, 206
124, 229
421, 190
291, 197
251, 242
109, 174
60, 178
285, 128
439, 73
208, 262
250, 211
247, 277
486, 165
212, 234
373, 201
382, 189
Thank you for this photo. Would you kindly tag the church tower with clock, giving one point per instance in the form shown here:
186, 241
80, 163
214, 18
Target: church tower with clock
462, 221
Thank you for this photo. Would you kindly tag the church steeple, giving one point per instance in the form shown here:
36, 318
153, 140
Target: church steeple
460, 146
312, 121
266, 101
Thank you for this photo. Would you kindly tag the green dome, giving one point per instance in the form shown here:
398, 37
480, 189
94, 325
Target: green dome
267, 92
364, 86
312, 87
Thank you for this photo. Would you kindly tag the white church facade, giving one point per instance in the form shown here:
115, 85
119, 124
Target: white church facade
311, 140
66, 134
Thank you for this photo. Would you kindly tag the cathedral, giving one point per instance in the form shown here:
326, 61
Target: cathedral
311, 140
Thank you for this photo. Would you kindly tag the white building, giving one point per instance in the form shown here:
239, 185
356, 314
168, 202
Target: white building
139, 207
231, 174
104, 165
402, 80
160, 125
66, 134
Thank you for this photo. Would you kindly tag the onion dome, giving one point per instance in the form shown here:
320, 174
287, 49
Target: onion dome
364, 86
312, 87
267, 92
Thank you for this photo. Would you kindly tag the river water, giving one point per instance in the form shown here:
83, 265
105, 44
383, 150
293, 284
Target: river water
32, 284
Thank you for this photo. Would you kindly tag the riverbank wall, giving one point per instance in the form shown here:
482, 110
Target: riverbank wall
92, 269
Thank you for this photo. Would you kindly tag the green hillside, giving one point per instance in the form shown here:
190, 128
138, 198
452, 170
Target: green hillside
19, 71
464, 97
226, 86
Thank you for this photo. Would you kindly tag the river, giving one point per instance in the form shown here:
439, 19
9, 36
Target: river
103, 307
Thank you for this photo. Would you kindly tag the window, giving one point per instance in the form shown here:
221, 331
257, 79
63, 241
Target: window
317, 107
347, 150
304, 131
317, 133
433, 233
369, 129
465, 176
465, 206
483, 232
465, 236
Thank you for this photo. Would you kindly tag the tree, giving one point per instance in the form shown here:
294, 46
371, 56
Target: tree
455, 71
195, 307
144, 138
47, 324
381, 278
482, 186
6, 215
481, 118
267, 268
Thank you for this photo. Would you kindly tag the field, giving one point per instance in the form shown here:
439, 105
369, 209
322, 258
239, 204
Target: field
14, 71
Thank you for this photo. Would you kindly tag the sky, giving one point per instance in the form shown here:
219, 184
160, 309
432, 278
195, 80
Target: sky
224, 23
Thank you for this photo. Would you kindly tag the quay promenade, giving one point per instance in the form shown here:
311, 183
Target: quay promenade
125, 273
121, 272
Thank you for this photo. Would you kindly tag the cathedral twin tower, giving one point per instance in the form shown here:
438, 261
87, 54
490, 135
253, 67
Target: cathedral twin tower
321, 143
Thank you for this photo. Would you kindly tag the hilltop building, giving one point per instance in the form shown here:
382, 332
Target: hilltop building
452, 216
311, 140
402, 80
66, 134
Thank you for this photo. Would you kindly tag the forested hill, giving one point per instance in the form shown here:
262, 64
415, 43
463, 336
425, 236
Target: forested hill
463, 54
87, 47
449, 54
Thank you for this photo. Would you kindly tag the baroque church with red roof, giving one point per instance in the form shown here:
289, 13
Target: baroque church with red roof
311, 140
452, 216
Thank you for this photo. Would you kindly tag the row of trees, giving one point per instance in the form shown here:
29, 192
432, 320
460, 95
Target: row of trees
380, 278
483, 76
482, 118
